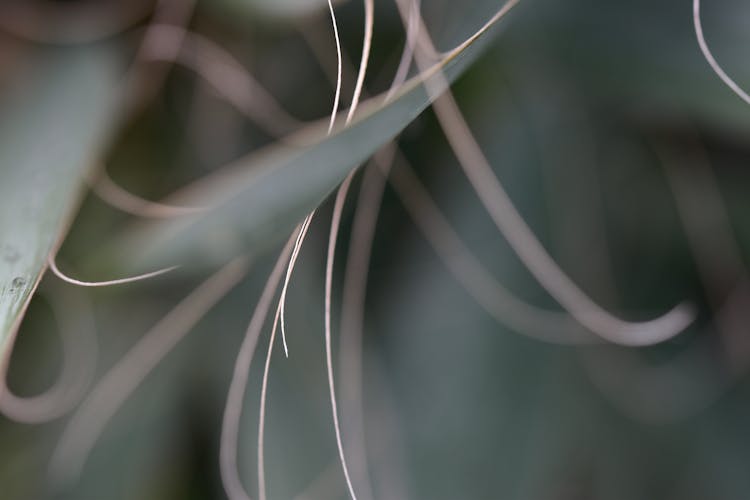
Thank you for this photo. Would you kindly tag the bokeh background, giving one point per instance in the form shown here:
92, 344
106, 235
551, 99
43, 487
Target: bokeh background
622, 150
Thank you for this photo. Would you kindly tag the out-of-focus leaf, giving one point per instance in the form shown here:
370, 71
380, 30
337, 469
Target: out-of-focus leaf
276, 9
642, 52
487, 410
258, 199
56, 114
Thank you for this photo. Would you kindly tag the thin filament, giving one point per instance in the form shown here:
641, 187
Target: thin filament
338, 70
226, 174
498, 301
72, 312
714, 247
520, 237
366, 46
109, 191
493, 296
352, 322
147, 82
335, 224
141, 277
666, 392
408, 53
262, 411
87, 424
301, 233
308, 218
710, 57
224, 73
230, 427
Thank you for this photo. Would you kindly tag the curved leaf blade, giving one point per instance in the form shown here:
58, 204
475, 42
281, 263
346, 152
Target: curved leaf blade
56, 115
259, 198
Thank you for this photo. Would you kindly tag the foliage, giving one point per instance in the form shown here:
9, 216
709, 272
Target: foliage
617, 143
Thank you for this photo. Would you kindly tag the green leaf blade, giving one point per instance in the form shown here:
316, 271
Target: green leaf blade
257, 200
56, 116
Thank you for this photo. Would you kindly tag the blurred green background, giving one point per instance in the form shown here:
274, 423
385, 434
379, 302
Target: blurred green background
622, 150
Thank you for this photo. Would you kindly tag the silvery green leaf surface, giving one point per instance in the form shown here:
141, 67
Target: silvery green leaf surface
257, 200
56, 116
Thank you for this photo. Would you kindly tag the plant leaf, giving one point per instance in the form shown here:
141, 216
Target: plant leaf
276, 9
259, 198
57, 113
